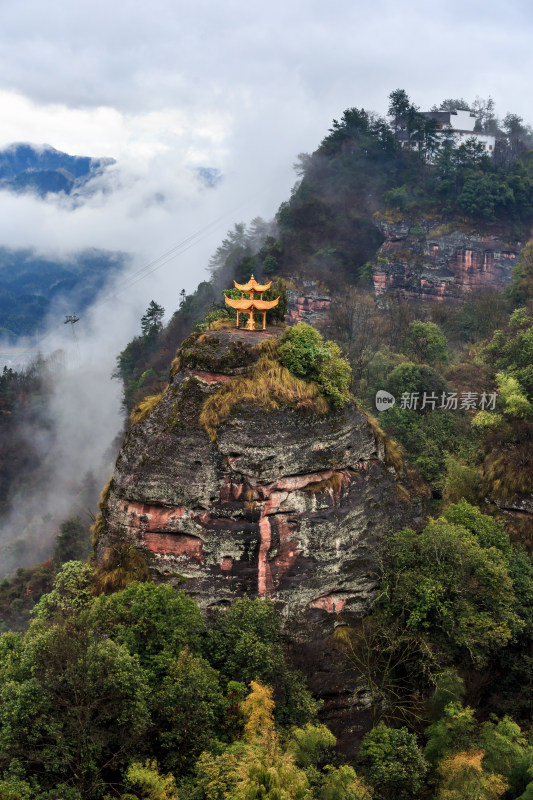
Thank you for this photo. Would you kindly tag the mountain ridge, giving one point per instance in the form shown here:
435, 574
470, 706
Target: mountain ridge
43, 169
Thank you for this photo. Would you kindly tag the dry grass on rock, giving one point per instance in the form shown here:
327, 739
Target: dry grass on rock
393, 451
120, 565
267, 385
332, 484
222, 324
145, 407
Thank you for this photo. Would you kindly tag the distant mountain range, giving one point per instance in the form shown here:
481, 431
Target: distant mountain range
33, 287
43, 169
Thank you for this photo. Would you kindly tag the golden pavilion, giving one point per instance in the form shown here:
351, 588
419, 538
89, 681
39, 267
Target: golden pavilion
250, 304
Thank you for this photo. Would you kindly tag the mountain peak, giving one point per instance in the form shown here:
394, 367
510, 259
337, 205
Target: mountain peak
41, 168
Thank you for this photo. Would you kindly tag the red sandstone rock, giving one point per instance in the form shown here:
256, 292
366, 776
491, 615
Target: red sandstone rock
284, 505
189, 547
329, 603
447, 266
209, 377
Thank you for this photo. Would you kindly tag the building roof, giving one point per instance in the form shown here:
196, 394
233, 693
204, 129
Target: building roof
451, 118
247, 304
252, 286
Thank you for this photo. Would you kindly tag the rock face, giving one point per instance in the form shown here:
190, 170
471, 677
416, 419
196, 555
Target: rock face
421, 261
308, 303
285, 505
521, 506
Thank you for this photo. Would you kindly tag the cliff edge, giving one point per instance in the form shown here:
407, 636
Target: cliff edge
286, 503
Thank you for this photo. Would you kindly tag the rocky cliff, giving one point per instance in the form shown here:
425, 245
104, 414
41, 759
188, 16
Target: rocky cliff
286, 504
308, 302
421, 260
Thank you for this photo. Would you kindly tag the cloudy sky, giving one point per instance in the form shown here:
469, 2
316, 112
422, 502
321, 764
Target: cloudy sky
240, 86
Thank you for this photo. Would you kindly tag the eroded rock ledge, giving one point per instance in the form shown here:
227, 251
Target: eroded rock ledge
421, 261
286, 505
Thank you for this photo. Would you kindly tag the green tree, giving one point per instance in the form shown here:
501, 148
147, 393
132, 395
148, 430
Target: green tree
456, 730
154, 622
73, 542
459, 595
488, 531
305, 353
425, 431
504, 745
190, 711
342, 783
11, 646
415, 378
76, 711
270, 265
393, 763
454, 103
216, 775
13, 788
462, 481
152, 320
483, 196
485, 111
397, 198
513, 397
146, 783
471, 154
399, 108
426, 342
518, 134
71, 594
311, 745
244, 644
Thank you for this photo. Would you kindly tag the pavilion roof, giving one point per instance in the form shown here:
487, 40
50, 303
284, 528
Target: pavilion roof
247, 304
252, 286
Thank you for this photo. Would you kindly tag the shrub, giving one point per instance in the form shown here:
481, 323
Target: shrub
426, 342
214, 316
306, 355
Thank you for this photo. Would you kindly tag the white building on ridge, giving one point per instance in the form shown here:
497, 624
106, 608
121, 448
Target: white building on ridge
461, 123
